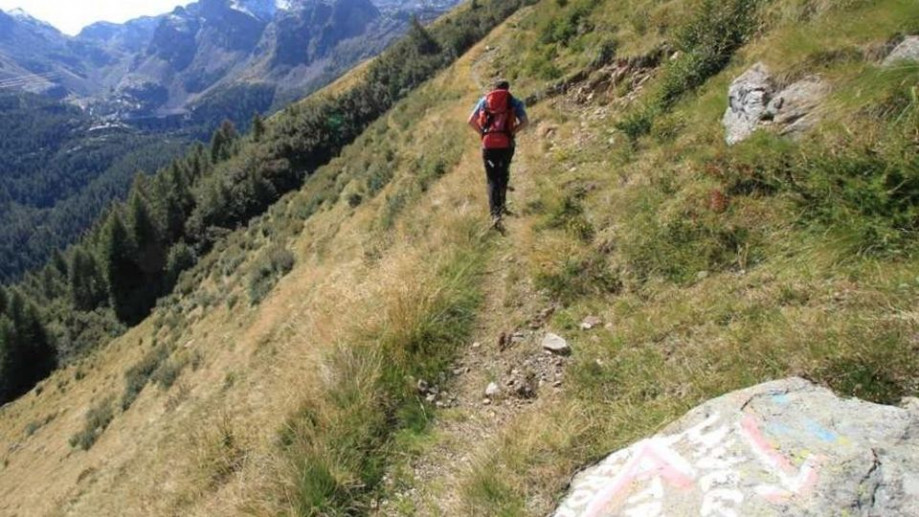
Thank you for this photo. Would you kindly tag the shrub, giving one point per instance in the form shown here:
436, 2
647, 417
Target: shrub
274, 263
97, 419
707, 42
569, 215
577, 277
355, 200
637, 123
137, 376
167, 373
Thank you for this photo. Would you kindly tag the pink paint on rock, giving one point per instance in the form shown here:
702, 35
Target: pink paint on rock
793, 480
654, 458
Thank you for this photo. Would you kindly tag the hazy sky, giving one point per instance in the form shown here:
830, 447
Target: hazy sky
72, 15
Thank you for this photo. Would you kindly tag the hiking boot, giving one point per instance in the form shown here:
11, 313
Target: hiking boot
497, 223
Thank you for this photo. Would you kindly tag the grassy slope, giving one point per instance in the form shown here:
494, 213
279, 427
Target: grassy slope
389, 248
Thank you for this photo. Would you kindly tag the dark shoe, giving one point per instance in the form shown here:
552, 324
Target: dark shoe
497, 224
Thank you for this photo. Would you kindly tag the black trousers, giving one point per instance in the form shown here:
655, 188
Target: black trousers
498, 170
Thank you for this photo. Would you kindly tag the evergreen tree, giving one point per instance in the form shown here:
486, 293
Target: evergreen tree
258, 127
146, 235
223, 141
181, 257
124, 277
26, 353
87, 286
421, 38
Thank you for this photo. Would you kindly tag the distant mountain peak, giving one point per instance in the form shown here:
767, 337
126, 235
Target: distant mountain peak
22, 15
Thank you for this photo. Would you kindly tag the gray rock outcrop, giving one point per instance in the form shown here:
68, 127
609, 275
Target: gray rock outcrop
907, 50
781, 448
754, 101
794, 109
748, 98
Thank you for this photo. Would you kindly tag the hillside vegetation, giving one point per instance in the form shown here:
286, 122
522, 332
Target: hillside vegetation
284, 374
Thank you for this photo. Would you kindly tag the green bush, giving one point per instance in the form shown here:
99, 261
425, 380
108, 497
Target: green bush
97, 419
137, 376
577, 277
167, 373
355, 200
275, 262
637, 123
707, 42
569, 215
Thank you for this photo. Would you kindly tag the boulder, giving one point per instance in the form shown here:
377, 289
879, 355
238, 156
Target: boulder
754, 101
748, 98
907, 50
782, 448
794, 110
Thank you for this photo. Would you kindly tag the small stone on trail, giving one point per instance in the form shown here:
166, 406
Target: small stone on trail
486, 402
476, 344
556, 344
590, 322
493, 390
431, 398
423, 386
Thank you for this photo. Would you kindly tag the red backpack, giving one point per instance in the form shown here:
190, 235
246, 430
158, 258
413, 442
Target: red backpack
498, 120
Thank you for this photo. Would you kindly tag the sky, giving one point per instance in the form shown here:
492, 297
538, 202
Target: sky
70, 16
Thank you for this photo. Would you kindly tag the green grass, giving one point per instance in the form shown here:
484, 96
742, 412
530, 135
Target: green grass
97, 419
341, 444
274, 262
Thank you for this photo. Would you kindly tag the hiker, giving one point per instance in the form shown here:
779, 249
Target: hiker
497, 118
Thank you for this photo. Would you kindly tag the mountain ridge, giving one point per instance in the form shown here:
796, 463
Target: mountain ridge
165, 65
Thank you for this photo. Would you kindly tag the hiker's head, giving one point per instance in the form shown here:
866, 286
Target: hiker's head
502, 84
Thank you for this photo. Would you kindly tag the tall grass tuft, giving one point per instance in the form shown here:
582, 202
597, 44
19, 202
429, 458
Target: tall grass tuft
340, 443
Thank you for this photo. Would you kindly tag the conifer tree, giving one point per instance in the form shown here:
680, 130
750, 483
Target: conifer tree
124, 277
146, 235
26, 353
258, 127
87, 286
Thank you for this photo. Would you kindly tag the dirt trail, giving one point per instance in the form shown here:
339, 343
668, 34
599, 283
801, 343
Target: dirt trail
505, 350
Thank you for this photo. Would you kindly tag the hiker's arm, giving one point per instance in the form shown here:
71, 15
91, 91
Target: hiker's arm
521, 113
474, 124
522, 123
474, 119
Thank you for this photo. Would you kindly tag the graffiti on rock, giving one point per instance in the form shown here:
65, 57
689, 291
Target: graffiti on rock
706, 464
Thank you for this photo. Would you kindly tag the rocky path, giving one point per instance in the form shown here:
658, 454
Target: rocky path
505, 373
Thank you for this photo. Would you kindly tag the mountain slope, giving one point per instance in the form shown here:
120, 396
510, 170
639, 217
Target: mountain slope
60, 171
305, 400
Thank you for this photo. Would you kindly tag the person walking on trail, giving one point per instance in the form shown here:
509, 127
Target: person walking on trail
497, 118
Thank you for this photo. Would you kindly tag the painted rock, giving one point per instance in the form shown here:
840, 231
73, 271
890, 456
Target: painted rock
781, 448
